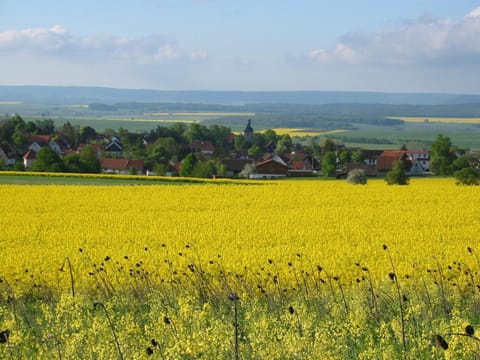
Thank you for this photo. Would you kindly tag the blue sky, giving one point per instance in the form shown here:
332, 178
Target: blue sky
366, 45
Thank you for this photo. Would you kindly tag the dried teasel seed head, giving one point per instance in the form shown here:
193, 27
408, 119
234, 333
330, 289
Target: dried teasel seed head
440, 341
469, 330
4, 335
233, 296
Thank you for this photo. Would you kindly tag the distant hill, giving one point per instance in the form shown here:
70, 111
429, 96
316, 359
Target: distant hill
59, 95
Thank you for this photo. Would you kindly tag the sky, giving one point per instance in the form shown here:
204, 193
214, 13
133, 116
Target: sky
263, 45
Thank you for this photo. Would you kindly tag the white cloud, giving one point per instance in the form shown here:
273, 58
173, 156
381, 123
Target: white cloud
58, 42
35, 39
474, 13
424, 41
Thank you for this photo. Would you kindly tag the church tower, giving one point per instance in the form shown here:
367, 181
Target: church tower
248, 132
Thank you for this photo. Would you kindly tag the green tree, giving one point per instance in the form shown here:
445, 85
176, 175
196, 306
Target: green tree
254, 151
86, 134
218, 134
47, 160
442, 155
89, 160
30, 127
398, 175
70, 132
196, 132
329, 145
45, 126
284, 145
204, 169
345, 156
460, 163
19, 140
358, 156
162, 149
467, 176
259, 140
18, 166
160, 168
72, 163
188, 165
270, 136
329, 163
240, 142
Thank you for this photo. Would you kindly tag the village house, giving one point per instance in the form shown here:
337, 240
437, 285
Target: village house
420, 161
204, 147
302, 164
98, 149
7, 154
122, 166
234, 166
272, 168
28, 159
37, 142
114, 148
387, 160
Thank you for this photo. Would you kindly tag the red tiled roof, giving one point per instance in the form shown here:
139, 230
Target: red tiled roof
202, 145
69, 152
121, 164
40, 139
388, 158
30, 155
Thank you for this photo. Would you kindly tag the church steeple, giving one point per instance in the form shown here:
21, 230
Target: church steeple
248, 132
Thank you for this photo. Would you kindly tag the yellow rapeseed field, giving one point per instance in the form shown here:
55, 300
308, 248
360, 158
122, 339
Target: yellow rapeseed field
447, 120
293, 269
237, 228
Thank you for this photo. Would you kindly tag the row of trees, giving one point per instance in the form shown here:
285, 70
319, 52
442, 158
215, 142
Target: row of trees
448, 160
171, 144
85, 162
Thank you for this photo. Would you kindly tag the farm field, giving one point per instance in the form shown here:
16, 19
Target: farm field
445, 120
463, 135
287, 269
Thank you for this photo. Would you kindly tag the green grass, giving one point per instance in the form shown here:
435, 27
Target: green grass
39, 178
56, 180
462, 135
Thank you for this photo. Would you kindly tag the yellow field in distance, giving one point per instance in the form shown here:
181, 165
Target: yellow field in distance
173, 121
446, 120
306, 132
10, 102
324, 221
80, 106
203, 114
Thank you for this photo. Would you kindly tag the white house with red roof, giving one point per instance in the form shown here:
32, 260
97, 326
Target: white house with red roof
29, 158
122, 166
